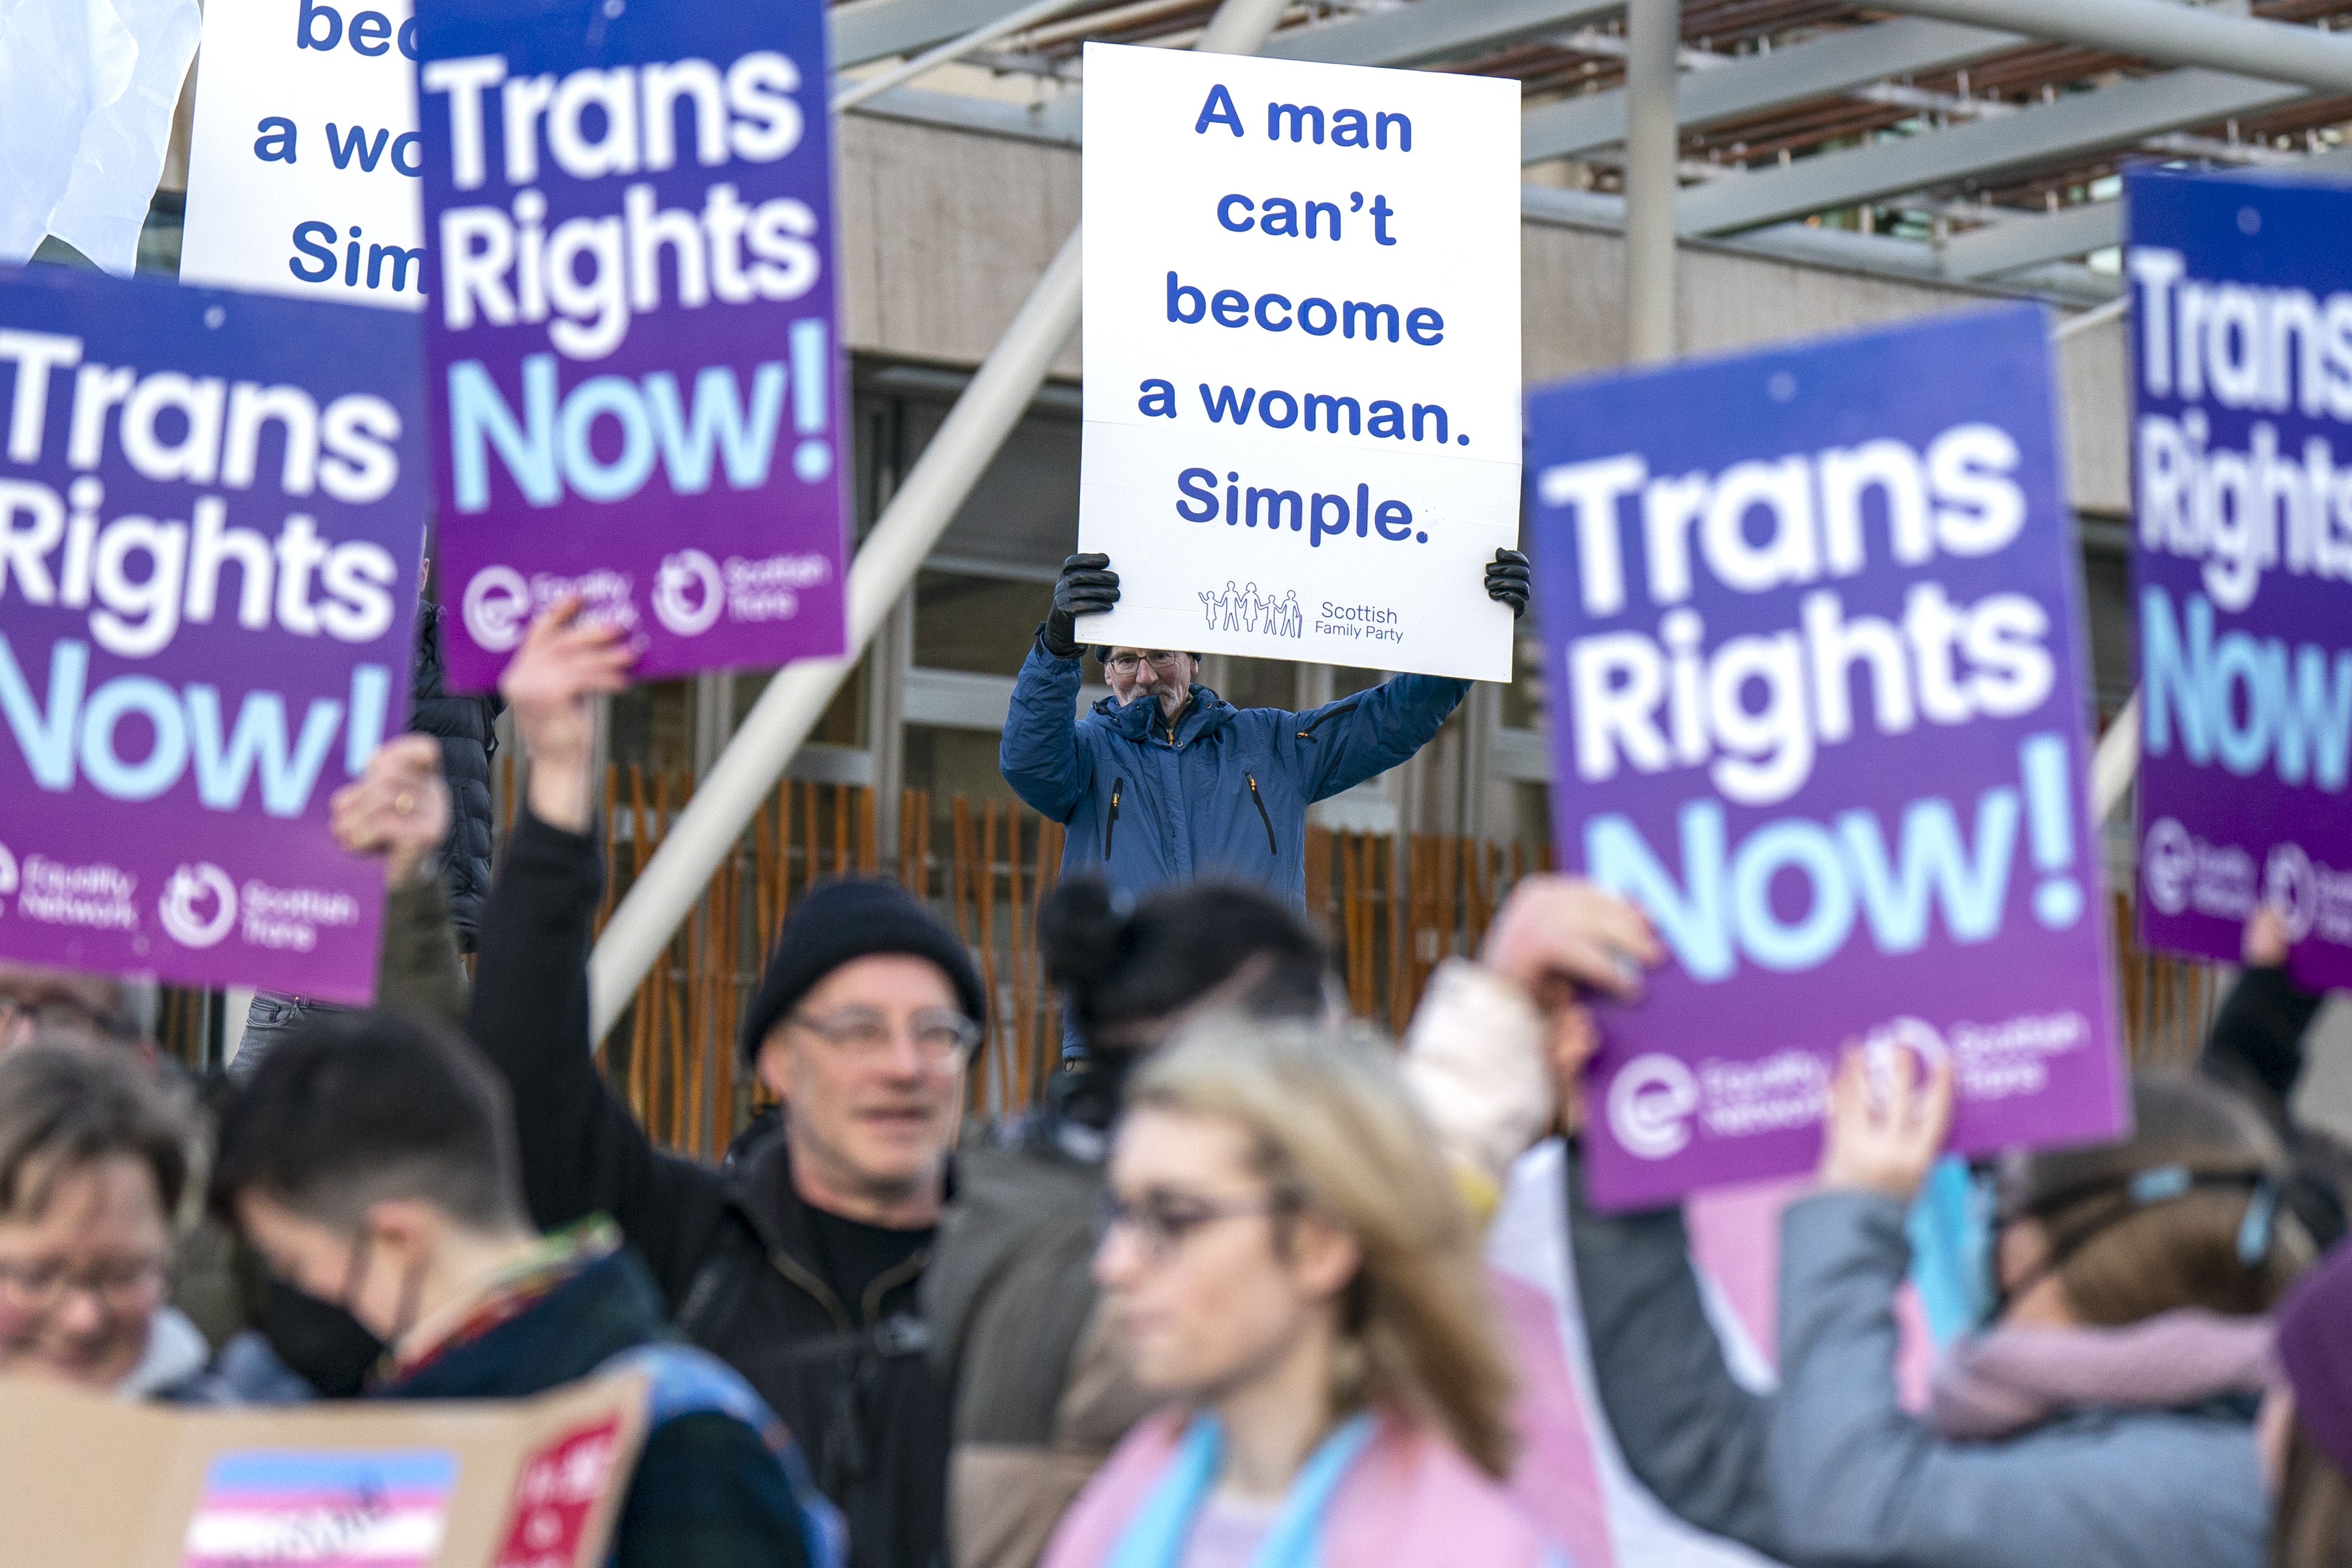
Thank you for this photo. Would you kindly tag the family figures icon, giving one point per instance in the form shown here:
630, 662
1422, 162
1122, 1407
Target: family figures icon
1246, 609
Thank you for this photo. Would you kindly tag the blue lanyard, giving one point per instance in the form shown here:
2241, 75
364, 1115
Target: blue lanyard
1157, 1535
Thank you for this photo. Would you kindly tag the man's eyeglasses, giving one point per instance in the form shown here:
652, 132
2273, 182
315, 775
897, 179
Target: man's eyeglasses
124, 1286
944, 1039
60, 1014
1162, 662
1161, 1222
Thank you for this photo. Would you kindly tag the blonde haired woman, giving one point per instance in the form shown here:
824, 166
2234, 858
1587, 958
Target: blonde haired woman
1286, 1260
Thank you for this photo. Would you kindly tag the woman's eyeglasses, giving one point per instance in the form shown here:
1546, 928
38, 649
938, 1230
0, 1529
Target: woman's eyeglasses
130, 1287
1162, 1222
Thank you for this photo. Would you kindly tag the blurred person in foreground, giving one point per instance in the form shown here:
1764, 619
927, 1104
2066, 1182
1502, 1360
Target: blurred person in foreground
1042, 1393
399, 809
2307, 1425
800, 1262
371, 1162
2101, 1416
95, 1156
1288, 1265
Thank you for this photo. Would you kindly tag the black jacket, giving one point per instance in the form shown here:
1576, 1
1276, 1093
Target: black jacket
732, 1251
707, 1492
2256, 1047
465, 727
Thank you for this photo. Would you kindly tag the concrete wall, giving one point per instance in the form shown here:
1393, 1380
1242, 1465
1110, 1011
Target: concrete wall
944, 232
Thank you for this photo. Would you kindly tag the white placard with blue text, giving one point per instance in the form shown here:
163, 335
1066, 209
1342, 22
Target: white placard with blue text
1302, 358
304, 158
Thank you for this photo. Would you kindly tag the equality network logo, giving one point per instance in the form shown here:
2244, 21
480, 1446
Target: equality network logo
1651, 1102
1246, 609
690, 595
497, 607
188, 894
9, 879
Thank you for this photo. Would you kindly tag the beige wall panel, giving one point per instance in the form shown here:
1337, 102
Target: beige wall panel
944, 233
2097, 385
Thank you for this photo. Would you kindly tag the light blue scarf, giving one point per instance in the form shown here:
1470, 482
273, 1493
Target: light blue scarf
1157, 1535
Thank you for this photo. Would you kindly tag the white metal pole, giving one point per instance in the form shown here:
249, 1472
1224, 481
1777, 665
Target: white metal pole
2165, 32
796, 696
2115, 761
1029, 16
1653, 39
1240, 27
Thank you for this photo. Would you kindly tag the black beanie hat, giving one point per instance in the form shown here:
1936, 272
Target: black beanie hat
837, 922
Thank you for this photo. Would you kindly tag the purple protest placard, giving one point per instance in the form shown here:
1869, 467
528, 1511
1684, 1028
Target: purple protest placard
211, 507
1817, 691
631, 350
2242, 562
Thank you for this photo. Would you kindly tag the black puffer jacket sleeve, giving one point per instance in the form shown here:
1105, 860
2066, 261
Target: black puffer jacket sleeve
582, 1152
466, 728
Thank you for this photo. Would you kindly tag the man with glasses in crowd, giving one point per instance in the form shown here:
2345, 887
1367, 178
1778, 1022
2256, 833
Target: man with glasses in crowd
35, 1001
798, 1261
1167, 782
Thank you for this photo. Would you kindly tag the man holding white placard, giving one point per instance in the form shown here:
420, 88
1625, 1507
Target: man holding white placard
1166, 781
1302, 441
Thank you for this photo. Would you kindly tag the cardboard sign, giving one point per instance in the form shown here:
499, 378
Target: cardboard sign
304, 158
2242, 562
1817, 691
1302, 358
212, 508
98, 1483
633, 355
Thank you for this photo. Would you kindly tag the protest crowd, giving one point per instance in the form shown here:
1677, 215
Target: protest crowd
1252, 1280
1224, 1294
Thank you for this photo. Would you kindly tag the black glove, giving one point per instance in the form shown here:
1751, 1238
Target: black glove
1507, 580
1087, 587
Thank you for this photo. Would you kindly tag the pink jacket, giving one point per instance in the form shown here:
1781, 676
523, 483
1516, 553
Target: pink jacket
1409, 1498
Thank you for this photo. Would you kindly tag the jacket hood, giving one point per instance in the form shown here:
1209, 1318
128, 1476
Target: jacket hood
760, 1164
1205, 713
1009, 1201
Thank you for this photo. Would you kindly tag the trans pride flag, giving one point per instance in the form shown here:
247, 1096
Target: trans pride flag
322, 1509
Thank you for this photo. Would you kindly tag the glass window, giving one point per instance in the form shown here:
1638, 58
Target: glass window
1523, 699
983, 625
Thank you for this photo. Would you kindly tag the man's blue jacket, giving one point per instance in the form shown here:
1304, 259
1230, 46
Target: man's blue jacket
1225, 794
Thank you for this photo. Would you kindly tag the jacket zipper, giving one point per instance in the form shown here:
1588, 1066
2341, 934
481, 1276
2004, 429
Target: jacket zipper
890, 1279
1259, 801
1336, 709
1112, 826
785, 1264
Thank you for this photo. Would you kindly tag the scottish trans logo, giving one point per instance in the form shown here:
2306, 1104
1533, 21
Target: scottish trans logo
690, 596
198, 908
8, 877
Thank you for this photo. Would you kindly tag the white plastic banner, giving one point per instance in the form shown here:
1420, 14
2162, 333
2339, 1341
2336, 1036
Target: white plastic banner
304, 164
86, 91
1302, 358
